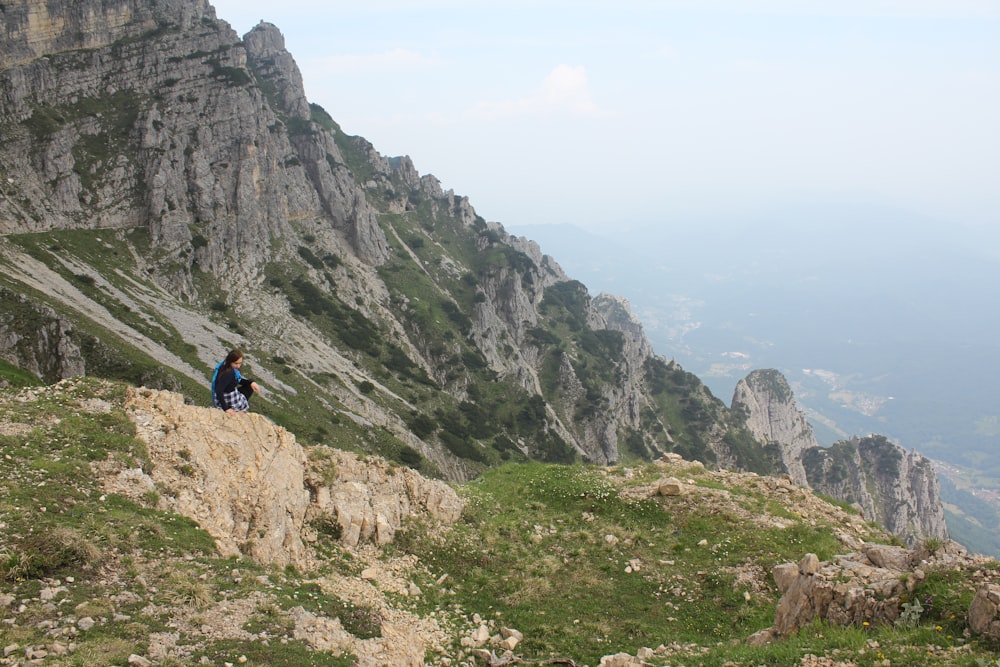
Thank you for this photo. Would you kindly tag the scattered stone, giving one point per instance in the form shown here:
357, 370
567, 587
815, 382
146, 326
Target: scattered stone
35, 653
511, 632
884, 555
762, 637
139, 661
57, 648
481, 635
86, 623
49, 593
623, 660
670, 487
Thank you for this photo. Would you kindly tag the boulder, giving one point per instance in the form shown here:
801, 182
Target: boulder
984, 612
868, 587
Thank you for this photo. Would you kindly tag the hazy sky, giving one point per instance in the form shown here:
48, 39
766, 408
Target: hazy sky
658, 111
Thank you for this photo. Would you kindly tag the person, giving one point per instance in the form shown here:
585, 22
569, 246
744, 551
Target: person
230, 390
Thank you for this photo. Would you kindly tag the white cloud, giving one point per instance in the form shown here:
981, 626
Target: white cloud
388, 61
565, 91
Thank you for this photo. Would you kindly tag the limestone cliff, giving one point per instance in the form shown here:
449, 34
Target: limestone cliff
772, 416
175, 194
897, 489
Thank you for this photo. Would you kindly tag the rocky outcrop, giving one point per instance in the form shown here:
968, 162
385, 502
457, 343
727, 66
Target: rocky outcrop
238, 475
984, 612
248, 483
372, 499
871, 587
892, 487
37, 339
765, 399
895, 488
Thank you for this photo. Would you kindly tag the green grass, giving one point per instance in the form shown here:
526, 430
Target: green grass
547, 550
531, 551
12, 376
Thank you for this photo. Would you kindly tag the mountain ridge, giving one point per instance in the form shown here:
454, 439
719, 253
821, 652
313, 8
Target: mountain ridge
183, 197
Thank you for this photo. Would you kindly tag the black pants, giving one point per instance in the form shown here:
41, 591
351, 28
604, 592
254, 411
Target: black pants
245, 387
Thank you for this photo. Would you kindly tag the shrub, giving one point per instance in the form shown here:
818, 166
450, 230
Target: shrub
362, 621
421, 425
311, 259
327, 526
408, 456
47, 551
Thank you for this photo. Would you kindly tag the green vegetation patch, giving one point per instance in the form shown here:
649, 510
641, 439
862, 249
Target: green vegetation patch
546, 549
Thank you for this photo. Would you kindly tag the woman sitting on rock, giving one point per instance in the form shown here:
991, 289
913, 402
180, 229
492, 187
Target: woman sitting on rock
230, 390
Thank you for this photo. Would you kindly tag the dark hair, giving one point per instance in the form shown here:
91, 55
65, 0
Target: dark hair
234, 355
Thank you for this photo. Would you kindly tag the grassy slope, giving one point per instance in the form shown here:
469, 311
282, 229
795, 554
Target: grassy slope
580, 559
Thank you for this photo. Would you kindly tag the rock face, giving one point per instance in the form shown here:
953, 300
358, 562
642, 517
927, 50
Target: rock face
248, 483
894, 488
869, 587
371, 499
984, 612
37, 339
34, 29
772, 416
